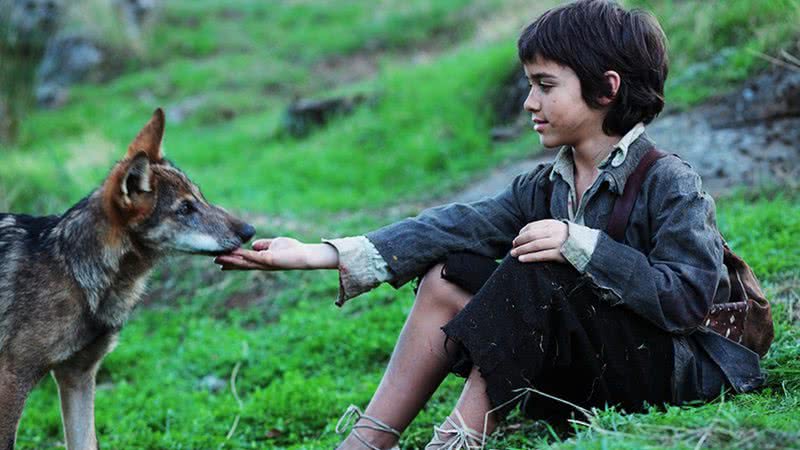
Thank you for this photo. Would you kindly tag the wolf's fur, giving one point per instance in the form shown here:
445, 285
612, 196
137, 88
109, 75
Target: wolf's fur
69, 282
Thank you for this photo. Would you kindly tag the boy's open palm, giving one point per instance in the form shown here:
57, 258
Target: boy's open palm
540, 241
280, 253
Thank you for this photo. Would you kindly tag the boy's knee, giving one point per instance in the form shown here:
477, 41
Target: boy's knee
437, 292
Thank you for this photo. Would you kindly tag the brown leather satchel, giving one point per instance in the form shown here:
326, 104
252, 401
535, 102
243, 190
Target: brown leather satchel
747, 317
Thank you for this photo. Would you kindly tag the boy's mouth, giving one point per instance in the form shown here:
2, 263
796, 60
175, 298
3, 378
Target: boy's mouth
539, 124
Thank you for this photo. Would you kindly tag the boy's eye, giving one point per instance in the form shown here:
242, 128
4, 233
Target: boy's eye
542, 86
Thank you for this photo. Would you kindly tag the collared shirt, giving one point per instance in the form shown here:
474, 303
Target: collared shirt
564, 166
668, 270
580, 244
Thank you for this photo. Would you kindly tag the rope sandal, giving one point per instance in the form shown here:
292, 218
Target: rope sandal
350, 419
458, 437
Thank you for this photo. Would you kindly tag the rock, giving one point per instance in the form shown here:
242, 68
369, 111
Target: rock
306, 114
750, 145
29, 23
136, 16
766, 97
137, 13
510, 97
25, 27
67, 60
82, 54
510, 118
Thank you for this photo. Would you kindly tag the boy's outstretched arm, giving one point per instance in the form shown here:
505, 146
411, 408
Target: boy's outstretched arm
281, 253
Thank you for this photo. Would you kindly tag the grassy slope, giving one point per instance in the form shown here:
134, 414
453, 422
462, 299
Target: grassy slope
714, 45
300, 360
301, 367
254, 73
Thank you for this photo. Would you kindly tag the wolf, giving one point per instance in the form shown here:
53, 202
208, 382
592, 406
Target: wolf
68, 283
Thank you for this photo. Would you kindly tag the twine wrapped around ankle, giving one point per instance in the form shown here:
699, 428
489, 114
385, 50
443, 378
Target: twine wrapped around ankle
461, 437
350, 419
457, 437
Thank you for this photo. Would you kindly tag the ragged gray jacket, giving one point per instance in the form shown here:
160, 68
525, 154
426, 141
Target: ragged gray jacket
669, 269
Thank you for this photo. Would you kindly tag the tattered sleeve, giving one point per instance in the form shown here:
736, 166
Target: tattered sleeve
485, 227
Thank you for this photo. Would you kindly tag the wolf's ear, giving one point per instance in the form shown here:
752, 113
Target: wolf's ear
137, 177
128, 192
149, 138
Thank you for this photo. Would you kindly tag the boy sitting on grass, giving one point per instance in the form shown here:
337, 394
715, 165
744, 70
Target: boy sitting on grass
570, 316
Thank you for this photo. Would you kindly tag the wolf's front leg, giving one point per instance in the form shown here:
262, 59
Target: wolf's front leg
14, 389
76, 382
76, 390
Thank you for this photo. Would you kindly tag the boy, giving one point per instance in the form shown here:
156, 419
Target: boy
569, 312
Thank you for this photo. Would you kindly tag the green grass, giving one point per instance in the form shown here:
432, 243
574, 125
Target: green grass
716, 44
413, 134
300, 361
423, 131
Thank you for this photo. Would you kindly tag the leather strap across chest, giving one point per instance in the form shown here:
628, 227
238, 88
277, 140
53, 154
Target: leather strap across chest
623, 206
621, 213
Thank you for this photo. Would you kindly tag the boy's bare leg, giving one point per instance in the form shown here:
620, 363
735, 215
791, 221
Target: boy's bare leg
473, 407
419, 361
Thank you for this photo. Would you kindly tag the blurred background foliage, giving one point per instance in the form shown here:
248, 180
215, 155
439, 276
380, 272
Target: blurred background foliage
413, 86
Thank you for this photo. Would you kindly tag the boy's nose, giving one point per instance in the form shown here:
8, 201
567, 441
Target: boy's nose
531, 104
246, 232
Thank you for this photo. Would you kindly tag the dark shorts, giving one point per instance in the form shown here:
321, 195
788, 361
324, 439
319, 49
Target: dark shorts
546, 327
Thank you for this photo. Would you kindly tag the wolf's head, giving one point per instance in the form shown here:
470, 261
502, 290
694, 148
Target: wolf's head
157, 206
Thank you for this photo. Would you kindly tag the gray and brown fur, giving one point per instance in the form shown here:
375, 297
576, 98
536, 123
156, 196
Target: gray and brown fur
68, 283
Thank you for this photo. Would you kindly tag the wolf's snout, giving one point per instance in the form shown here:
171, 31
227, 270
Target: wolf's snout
246, 232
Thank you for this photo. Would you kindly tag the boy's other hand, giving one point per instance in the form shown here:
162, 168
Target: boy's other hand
540, 241
280, 253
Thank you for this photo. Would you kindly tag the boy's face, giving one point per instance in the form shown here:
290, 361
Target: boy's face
558, 111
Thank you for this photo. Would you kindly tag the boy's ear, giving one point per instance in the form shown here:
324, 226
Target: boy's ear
149, 138
128, 192
612, 81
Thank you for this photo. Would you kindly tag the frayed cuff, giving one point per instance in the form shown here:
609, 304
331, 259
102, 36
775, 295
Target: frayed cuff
580, 245
361, 267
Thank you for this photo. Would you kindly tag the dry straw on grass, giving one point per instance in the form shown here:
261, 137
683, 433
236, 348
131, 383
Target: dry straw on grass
786, 59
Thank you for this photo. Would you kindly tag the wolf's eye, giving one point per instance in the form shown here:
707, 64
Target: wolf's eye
186, 208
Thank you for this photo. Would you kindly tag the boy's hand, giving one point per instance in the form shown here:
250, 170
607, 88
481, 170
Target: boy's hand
540, 241
280, 254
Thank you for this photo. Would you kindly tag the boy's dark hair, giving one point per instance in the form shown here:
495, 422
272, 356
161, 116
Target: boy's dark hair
594, 36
